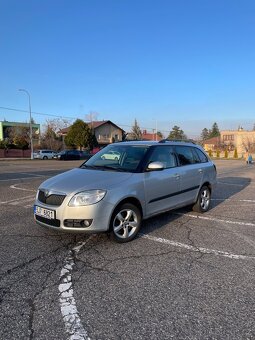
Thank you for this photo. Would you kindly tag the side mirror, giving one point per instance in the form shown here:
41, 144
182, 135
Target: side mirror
155, 166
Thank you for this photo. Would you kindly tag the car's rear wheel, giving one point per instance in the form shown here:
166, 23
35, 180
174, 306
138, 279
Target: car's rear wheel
45, 157
125, 223
203, 200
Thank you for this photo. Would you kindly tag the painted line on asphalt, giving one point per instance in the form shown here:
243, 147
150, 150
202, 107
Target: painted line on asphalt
20, 203
232, 200
21, 178
248, 224
14, 186
198, 249
72, 321
25, 198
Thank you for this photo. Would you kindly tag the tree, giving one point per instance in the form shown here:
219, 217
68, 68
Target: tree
50, 138
159, 135
177, 133
214, 132
235, 153
79, 135
19, 136
136, 131
205, 134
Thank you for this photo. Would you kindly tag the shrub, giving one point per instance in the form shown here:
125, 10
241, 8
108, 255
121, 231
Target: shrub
210, 153
226, 153
218, 153
235, 153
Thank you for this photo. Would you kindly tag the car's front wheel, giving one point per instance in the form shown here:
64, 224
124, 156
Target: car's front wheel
125, 223
203, 200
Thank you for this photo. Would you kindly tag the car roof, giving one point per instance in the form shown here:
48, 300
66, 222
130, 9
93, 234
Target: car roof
161, 142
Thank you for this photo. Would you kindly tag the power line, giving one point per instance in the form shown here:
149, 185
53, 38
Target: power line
67, 117
36, 113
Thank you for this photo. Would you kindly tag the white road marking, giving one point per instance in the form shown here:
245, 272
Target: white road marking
25, 198
73, 324
22, 178
198, 249
14, 186
31, 174
21, 202
248, 224
235, 184
232, 200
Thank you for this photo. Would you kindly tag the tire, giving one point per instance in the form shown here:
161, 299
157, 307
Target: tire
203, 200
125, 223
45, 157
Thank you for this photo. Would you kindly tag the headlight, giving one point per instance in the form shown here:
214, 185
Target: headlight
87, 198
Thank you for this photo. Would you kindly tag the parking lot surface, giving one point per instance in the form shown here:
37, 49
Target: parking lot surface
186, 276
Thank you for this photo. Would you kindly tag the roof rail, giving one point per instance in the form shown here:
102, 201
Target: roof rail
177, 140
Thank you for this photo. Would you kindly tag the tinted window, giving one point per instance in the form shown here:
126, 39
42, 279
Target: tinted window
201, 155
185, 155
165, 155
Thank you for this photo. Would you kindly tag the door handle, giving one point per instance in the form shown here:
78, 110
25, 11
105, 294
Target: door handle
177, 176
200, 171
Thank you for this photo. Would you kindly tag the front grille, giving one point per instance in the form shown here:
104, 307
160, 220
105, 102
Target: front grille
53, 199
53, 223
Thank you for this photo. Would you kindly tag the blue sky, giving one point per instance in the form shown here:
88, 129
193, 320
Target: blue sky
177, 62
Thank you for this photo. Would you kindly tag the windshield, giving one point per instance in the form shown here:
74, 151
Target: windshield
118, 158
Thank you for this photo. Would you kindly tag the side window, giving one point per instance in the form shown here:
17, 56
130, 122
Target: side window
202, 157
185, 155
165, 155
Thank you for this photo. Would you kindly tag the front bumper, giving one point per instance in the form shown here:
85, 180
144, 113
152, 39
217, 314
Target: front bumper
84, 219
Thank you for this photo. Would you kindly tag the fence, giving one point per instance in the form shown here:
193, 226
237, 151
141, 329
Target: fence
15, 153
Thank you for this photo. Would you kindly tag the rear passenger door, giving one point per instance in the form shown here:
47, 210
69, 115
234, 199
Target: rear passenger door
191, 173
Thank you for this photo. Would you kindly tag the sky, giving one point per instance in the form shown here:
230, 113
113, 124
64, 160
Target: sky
188, 63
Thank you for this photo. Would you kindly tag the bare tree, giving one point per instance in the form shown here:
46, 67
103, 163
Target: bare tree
50, 138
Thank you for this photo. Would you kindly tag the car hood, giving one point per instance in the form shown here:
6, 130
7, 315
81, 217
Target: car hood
77, 180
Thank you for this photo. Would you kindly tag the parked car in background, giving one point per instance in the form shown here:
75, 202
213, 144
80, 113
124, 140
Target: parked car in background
85, 155
44, 154
111, 155
115, 195
73, 155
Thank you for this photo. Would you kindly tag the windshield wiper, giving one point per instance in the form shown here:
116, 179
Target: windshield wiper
102, 167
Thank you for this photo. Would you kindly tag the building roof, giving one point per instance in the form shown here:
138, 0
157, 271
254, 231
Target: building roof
213, 140
94, 125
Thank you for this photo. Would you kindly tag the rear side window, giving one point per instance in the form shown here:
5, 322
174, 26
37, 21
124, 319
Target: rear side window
186, 155
202, 157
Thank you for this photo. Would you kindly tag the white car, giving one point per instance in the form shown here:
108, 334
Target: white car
111, 155
44, 154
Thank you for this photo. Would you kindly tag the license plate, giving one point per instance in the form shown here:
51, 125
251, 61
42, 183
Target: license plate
47, 213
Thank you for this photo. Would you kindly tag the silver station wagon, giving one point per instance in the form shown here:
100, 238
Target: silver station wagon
115, 194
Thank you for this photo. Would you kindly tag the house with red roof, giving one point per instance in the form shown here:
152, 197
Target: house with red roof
105, 131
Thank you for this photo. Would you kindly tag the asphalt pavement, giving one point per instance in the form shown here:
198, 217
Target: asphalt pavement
187, 276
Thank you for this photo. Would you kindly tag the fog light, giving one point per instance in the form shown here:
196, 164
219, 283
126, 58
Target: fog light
77, 223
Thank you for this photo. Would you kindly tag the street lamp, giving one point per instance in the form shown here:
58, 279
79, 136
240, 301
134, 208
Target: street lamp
30, 125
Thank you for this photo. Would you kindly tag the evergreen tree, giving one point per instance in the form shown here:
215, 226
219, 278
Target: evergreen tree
177, 133
214, 132
79, 135
204, 134
136, 131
